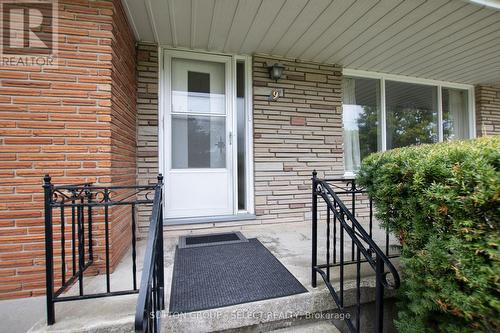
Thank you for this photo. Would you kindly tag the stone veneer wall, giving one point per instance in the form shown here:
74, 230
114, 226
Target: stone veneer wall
75, 122
294, 135
487, 110
147, 123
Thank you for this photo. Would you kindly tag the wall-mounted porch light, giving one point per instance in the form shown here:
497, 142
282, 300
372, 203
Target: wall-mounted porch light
276, 71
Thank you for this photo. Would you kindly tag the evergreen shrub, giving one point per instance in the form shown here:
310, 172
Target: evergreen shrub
443, 203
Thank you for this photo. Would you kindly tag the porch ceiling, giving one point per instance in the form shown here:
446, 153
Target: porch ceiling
455, 40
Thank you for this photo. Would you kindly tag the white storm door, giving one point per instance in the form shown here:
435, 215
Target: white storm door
198, 135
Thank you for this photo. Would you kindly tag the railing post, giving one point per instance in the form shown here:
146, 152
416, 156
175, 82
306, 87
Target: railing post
49, 260
88, 194
314, 229
162, 264
379, 295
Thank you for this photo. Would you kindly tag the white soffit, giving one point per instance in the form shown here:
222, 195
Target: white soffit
447, 40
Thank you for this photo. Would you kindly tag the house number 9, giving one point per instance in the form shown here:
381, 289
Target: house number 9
275, 94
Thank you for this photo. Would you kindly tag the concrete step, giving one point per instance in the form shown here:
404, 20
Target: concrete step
116, 314
260, 316
296, 313
310, 327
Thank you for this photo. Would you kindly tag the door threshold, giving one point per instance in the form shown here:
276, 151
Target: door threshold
208, 219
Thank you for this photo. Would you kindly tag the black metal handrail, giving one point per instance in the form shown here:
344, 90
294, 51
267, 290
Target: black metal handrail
71, 214
363, 249
151, 299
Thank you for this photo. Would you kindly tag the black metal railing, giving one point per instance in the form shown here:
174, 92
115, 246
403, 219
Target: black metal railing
152, 293
77, 236
352, 244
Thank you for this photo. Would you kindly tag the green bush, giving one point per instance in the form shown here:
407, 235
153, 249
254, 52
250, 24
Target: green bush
442, 201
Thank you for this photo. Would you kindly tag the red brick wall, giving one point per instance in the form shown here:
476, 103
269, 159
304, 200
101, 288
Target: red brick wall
123, 126
75, 122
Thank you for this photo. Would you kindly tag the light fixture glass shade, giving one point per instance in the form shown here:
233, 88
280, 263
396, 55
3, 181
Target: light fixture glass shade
276, 71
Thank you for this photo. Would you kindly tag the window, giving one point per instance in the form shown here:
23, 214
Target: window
455, 114
361, 119
411, 111
380, 114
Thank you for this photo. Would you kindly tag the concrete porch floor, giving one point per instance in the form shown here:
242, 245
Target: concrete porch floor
290, 243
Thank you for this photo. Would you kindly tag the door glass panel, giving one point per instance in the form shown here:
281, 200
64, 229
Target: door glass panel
241, 121
411, 111
455, 114
198, 87
198, 141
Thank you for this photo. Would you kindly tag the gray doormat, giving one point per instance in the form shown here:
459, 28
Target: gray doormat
221, 275
211, 239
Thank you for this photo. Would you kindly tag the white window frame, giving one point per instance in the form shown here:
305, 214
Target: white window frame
163, 100
382, 77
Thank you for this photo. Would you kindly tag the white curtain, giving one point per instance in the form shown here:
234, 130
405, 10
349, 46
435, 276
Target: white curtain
352, 158
458, 114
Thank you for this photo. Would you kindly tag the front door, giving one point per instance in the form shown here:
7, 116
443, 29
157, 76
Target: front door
199, 122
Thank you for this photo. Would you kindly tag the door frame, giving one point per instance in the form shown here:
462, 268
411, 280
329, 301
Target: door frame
164, 81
